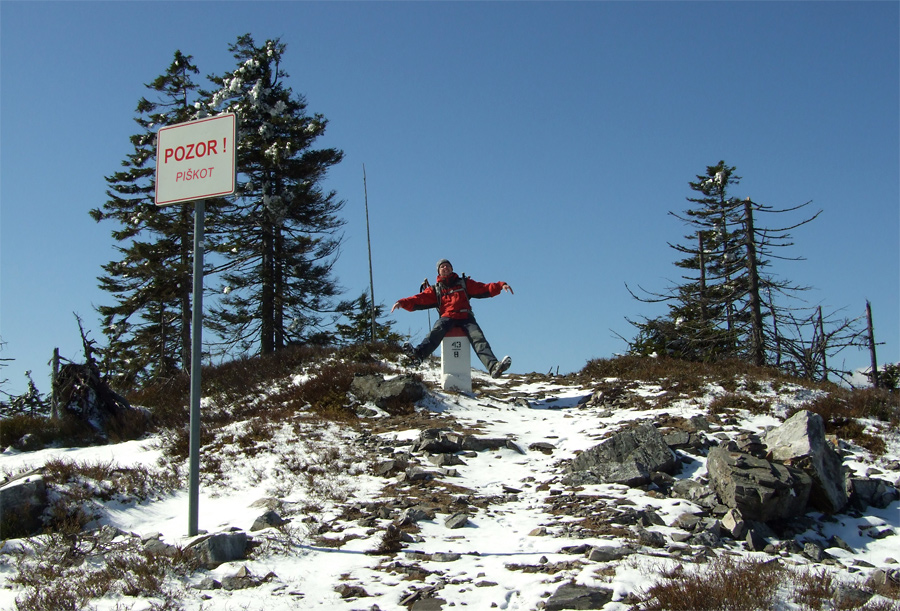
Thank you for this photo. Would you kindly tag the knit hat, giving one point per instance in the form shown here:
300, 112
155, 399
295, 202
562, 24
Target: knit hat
441, 262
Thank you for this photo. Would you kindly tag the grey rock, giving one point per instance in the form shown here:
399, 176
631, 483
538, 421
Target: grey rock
762, 490
403, 389
158, 547
608, 553
571, 596
877, 493
22, 502
213, 550
849, 597
457, 520
695, 492
651, 538
267, 520
734, 524
754, 542
800, 442
628, 458
814, 551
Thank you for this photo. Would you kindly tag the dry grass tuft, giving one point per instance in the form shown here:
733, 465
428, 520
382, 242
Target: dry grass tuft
726, 584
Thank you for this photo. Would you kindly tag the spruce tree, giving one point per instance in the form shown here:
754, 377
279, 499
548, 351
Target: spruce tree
717, 311
282, 241
148, 327
359, 329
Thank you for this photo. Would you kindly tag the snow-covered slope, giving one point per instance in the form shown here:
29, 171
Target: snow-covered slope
527, 533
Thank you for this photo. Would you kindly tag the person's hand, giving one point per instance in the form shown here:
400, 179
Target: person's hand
396, 305
506, 287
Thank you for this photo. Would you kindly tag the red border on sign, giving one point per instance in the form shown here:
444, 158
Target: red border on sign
205, 195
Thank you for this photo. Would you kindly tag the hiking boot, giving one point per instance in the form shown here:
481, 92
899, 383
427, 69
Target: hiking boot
500, 366
409, 355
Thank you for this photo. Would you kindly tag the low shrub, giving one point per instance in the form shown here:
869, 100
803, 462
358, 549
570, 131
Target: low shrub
35, 432
68, 572
726, 584
167, 399
685, 376
736, 401
842, 410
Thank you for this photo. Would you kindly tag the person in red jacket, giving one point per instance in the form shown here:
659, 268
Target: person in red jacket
451, 295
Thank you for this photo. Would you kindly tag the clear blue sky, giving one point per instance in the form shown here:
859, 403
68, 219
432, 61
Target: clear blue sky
538, 143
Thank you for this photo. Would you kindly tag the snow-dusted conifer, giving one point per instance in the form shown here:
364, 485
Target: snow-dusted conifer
282, 228
148, 326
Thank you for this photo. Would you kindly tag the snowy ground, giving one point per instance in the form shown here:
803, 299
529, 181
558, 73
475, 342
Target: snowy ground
498, 538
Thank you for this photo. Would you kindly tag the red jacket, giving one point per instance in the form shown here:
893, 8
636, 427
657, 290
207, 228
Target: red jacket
454, 300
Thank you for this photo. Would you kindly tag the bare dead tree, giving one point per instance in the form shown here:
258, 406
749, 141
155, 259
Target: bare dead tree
810, 343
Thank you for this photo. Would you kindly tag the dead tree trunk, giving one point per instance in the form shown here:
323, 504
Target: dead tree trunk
823, 344
756, 333
871, 327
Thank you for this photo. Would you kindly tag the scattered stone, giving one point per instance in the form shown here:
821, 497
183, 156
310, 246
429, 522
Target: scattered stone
734, 525
543, 447
572, 596
608, 553
213, 550
270, 519
349, 591
651, 538
457, 520
839, 543
814, 551
876, 493
849, 597
754, 542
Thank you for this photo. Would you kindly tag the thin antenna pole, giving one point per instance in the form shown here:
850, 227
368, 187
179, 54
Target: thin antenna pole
369, 240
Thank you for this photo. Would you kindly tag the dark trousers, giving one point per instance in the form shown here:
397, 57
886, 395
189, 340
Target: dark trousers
473, 331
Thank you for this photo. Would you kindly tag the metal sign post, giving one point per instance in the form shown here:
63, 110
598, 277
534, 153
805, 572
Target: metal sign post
196, 364
194, 161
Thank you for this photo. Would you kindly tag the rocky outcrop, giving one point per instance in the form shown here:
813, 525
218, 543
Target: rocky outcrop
762, 490
800, 442
22, 502
630, 458
388, 394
